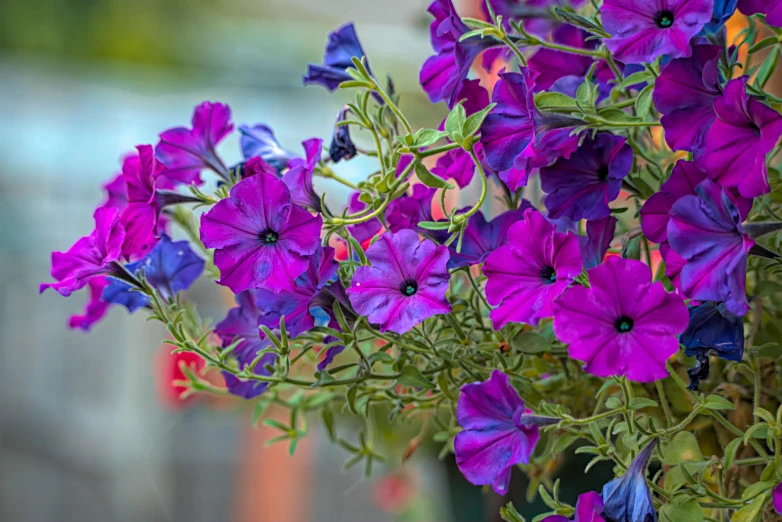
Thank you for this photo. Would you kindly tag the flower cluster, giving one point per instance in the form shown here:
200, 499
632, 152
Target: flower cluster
634, 149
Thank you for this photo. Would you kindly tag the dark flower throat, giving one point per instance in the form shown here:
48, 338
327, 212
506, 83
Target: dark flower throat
548, 275
664, 19
409, 288
624, 324
269, 237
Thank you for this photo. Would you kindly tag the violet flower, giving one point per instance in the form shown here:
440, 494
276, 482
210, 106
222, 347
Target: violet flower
186, 152
527, 274
778, 498
262, 240
771, 8
628, 498
552, 65
366, 230
497, 433
596, 243
405, 284
342, 147
342, 46
705, 230
642, 32
91, 256
623, 324
298, 178
723, 11
588, 509
406, 212
684, 93
582, 186
712, 330
142, 210
736, 145
259, 140
482, 237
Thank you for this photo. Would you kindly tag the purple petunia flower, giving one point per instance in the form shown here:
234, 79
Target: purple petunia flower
628, 498
142, 210
366, 230
259, 140
481, 238
623, 324
342, 46
685, 94
91, 256
596, 243
527, 274
588, 509
442, 75
342, 147
170, 268
95, 308
186, 152
405, 284
551, 65
582, 186
771, 8
406, 212
261, 238
298, 178
712, 330
456, 164
778, 498
642, 32
494, 436
736, 145
705, 230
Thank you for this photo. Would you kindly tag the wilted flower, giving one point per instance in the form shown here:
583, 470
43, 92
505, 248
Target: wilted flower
628, 498
712, 330
341, 147
482, 237
588, 509
298, 178
259, 140
596, 243
342, 46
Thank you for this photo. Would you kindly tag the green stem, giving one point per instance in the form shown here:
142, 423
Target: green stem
515, 50
484, 190
664, 401
327, 173
393, 107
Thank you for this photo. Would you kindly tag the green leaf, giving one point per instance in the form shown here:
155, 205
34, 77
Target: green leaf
613, 403
328, 422
426, 137
554, 100
753, 490
454, 123
730, 452
682, 448
751, 512
767, 69
715, 402
642, 402
764, 44
412, 376
530, 342
381, 357
474, 122
572, 18
429, 179
636, 78
509, 513
644, 102
352, 84
434, 225
586, 95
681, 509
617, 116
563, 442
350, 396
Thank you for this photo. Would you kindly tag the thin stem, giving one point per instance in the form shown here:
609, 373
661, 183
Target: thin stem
393, 107
484, 190
664, 401
327, 173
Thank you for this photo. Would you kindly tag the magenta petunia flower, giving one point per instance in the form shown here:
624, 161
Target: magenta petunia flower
685, 94
736, 145
644, 31
90, 256
494, 436
262, 240
456, 164
298, 177
778, 498
623, 324
554, 65
406, 212
95, 308
705, 230
596, 243
141, 212
186, 152
482, 237
582, 186
588, 509
527, 274
771, 8
405, 284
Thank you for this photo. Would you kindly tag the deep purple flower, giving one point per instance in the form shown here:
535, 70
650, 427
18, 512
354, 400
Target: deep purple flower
628, 498
95, 308
442, 75
329, 354
623, 324
456, 164
685, 94
536, 15
298, 178
262, 239
642, 32
406, 212
588, 509
527, 274
295, 305
140, 214
186, 152
481, 238
241, 324
170, 268
253, 166
582, 186
259, 140
771, 8
736, 145
712, 330
366, 230
596, 243
342, 46
778, 498
494, 436
553, 65
405, 284
705, 229
341, 147
90, 256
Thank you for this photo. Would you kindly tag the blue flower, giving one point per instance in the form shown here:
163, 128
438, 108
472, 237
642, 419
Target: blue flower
342, 147
712, 329
628, 498
170, 267
259, 140
723, 10
342, 46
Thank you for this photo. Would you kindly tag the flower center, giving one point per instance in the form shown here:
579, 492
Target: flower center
409, 288
269, 237
548, 275
602, 173
664, 19
624, 324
